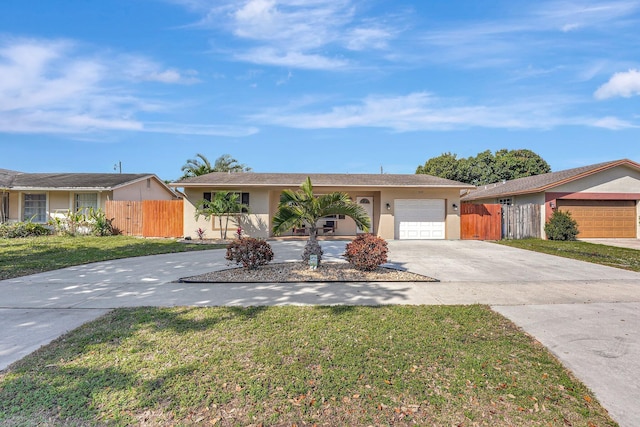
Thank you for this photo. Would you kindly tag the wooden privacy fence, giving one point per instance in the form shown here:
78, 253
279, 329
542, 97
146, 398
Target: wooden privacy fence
480, 222
147, 218
495, 222
521, 221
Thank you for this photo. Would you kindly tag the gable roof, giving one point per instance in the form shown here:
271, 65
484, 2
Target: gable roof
544, 182
72, 181
254, 179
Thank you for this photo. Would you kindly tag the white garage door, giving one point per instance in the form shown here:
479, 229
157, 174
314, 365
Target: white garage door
419, 219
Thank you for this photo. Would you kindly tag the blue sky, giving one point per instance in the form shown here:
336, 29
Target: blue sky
347, 86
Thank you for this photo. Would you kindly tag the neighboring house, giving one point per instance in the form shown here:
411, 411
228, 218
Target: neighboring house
400, 206
39, 197
602, 198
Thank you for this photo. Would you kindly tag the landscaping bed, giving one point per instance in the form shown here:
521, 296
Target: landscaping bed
300, 272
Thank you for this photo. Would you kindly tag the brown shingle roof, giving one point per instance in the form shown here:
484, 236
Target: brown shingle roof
105, 181
539, 183
254, 179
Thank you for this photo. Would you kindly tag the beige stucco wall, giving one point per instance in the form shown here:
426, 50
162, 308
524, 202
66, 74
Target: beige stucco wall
450, 196
146, 189
254, 224
264, 203
59, 203
616, 180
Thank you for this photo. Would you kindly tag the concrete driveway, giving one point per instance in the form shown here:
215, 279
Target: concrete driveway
588, 315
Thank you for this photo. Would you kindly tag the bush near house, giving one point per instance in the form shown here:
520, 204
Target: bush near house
92, 222
366, 252
23, 229
250, 252
561, 226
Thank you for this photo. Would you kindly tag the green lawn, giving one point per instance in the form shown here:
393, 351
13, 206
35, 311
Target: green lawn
20, 257
390, 365
628, 259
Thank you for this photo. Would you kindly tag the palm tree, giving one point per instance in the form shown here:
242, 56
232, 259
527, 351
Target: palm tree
196, 167
224, 204
226, 163
302, 208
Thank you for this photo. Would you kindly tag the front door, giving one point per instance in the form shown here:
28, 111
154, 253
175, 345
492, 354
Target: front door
367, 204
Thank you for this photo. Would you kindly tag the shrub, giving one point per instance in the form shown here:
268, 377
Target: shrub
561, 226
366, 252
100, 224
250, 252
23, 229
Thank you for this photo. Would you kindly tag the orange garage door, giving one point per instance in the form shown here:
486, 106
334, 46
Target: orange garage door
603, 218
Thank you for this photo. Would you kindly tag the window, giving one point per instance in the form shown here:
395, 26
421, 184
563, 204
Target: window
505, 201
35, 207
243, 198
86, 201
4, 207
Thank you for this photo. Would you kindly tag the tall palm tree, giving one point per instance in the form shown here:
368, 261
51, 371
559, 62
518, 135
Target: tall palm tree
196, 167
226, 163
302, 208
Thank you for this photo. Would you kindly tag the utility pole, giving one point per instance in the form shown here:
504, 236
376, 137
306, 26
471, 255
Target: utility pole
118, 166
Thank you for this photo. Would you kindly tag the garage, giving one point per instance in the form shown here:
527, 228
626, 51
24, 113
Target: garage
603, 218
419, 219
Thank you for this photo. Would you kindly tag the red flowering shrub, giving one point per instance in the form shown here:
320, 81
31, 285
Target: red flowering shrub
250, 252
366, 252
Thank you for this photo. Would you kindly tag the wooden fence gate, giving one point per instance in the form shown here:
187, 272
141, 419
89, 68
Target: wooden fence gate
521, 221
495, 222
480, 222
147, 218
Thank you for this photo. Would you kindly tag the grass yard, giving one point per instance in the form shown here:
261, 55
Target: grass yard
628, 259
20, 257
342, 365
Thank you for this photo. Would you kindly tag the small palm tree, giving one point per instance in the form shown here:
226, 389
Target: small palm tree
302, 208
224, 204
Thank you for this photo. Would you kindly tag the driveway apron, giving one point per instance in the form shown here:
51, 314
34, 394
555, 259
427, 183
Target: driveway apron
587, 315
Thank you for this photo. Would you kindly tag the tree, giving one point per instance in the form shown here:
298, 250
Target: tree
519, 163
444, 166
486, 167
226, 163
224, 204
302, 208
196, 167
201, 166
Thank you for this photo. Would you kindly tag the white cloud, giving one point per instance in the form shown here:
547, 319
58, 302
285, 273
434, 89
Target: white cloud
418, 112
52, 86
269, 56
613, 123
195, 129
624, 84
367, 38
575, 15
141, 69
308, 34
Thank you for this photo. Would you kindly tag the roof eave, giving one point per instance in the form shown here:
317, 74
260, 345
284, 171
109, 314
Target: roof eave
315, 185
